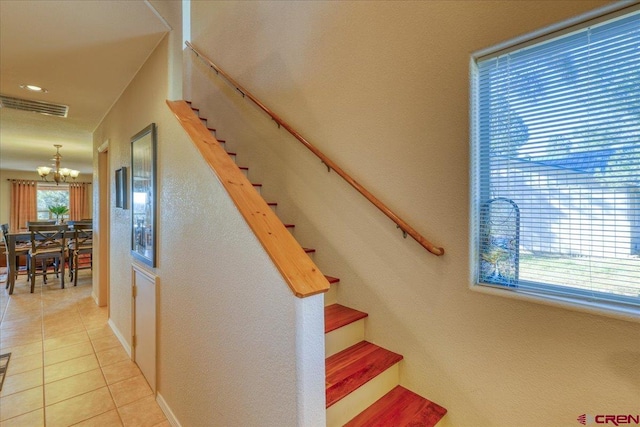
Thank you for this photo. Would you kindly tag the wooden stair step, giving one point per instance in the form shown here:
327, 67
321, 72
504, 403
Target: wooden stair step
337, 316
399, 408
332, 280
351, 368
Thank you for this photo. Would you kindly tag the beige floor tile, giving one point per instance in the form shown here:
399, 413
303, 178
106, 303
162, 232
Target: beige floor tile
111, 356
100, 332
20, 403
66, 340
35, 319
120, 371
28, 328
142, 413
67, 353
79, 408
105, 343
63, 329
108, 419
63, 312
30, 419
92, 312
24, 364
94, 324
23, 350
23, 339
130, 390
69, 368
20, 382
76, 385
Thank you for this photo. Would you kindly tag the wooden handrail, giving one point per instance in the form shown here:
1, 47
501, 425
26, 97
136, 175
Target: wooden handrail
295, 266
403, 225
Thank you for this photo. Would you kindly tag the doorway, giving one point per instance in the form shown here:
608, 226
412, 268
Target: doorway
101, 236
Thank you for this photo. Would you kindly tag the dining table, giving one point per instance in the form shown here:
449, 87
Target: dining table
19, 236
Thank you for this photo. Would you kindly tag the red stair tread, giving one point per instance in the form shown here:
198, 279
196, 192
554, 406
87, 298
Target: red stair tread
353, 367
332, 280
337, 316
399, 408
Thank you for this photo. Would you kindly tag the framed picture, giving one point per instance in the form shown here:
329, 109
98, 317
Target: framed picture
143, 195
121, 188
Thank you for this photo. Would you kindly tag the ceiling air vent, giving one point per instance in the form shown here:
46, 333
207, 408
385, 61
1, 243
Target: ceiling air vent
34, 106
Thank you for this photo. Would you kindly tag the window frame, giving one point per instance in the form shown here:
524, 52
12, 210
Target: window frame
575, 301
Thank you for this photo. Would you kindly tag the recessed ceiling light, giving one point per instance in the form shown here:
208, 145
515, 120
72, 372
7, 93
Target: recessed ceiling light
34, 88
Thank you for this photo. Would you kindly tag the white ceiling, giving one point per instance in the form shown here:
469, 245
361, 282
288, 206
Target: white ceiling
84, 53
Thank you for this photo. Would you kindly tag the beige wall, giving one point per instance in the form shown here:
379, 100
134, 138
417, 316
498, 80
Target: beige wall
229, 330
383, 88
5, 189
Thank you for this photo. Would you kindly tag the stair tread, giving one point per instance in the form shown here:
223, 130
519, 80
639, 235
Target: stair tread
332, 280
351, 368
400, 407
337, 316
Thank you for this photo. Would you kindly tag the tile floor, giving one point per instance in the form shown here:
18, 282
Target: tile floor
67, 367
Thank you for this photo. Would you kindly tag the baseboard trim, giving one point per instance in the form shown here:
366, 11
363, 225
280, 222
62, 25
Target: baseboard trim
167, 411
95, 298
120, 337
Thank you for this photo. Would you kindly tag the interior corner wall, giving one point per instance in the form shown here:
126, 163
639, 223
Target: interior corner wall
383, 89
226, 320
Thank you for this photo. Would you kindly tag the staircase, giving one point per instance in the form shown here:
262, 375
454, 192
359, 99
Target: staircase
362, 379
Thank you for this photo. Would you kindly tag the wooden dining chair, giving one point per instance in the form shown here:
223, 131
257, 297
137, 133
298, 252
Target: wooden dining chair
80, 247
21, 250
48, 243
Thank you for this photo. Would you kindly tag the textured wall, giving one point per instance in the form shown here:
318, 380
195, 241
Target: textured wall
227, 322
383, 88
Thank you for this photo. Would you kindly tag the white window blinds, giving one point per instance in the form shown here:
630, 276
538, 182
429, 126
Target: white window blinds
556, 136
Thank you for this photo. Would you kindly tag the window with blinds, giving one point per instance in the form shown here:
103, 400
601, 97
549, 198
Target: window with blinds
556, 143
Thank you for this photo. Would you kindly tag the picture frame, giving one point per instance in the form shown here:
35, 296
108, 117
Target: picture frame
121, 188
143, 195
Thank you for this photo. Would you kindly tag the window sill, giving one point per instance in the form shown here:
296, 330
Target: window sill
628, 314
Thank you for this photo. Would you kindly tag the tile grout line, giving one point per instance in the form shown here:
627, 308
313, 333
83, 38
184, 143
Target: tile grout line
44, 403
95, 353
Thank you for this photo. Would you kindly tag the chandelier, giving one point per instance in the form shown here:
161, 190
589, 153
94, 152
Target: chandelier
59, 175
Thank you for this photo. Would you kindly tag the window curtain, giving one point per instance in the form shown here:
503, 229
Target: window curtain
24, 204
78, 201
